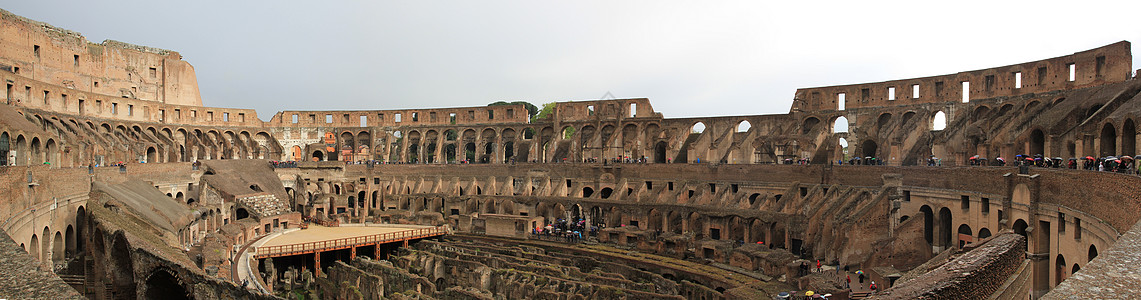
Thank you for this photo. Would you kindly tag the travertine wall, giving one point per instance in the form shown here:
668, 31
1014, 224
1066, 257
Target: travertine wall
63, 57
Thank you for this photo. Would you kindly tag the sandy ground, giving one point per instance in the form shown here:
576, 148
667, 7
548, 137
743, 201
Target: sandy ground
320, 233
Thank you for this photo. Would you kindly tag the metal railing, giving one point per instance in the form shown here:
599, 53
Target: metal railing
310, 247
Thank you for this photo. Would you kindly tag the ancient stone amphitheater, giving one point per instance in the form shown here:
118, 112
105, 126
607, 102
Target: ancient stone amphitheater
118, 183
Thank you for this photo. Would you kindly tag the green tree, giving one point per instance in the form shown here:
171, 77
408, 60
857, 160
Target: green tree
547, 111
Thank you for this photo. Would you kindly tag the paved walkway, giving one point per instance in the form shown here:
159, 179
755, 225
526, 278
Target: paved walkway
320, 233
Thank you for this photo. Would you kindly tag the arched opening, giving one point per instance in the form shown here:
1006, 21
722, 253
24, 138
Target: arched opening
965, 235
605, 193
928, 223
69, 239
869, 148
808, 125
744, 126
840, 125
1059, 269
1092, 253
34, 247
4, 147
508, 151
587, 191
844, 154
660, 152
883, 120
944, 227
1075, 269
162, 284
1128, 138
45, 244
241, 213
698, 127
939, 121
753, 198
984, 233
21, 151
37, 154
122, 269
450, 153
318, 155
51, 153
152, 155
1020, 228
469, 152
1108, 140
1037, 142
57, 248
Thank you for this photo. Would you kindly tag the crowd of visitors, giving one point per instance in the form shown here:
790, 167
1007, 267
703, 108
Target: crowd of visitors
563, 231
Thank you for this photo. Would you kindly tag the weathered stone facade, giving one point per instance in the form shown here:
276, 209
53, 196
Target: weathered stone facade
718, 198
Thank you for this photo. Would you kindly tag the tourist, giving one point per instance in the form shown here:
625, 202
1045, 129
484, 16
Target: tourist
872, 286
847, 281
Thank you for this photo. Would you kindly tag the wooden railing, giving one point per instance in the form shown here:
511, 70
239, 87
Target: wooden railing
318, 246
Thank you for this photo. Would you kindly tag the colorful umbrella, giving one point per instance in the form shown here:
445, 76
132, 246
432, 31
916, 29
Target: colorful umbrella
809, 293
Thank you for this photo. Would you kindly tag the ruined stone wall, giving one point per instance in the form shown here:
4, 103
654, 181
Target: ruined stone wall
975, 274
1106, 64
62, 57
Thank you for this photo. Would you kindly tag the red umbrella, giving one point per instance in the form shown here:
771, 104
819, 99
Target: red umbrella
1030, 159
1089, 157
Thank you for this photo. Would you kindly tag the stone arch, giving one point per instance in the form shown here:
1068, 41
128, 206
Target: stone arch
938, 121
58, 246
654, 220
318, 155
37, 152
34, 246
152, 155
840, 125
69, 239
450, 153
808, 125
45, 245
1020, 228
4, 148
744, 126
122, 268
51, 153
869, 148
587, 191
21, 151
241, 213
697, 127
80, 228
1108, 140
1059, 269
737, 229
928, 224
965, 235
163, 283
944, 227
984, 233
605, 192
696, 224
883, 120
1037, 142
1092, 253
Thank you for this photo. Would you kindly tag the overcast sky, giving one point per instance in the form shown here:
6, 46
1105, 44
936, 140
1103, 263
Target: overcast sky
692, 58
